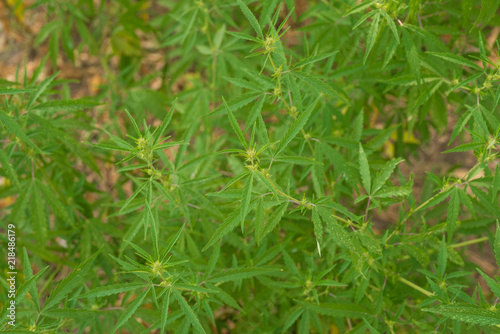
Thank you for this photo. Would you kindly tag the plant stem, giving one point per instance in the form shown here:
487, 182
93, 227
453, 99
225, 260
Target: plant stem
416, 287
367, 208
298, 201
469, 242
457, 182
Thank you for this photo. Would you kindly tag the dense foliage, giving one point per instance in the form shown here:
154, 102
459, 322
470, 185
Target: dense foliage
230, 171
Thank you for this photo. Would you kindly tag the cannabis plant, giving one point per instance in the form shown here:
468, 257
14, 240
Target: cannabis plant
251, 167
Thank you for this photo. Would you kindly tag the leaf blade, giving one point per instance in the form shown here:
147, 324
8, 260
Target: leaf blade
235, 125
188, 311
364, 170
16, 129
251, 18
130, 310
297, 125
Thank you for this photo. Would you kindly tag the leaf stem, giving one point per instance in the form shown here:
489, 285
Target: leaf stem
469, 242
367, 208
416, 287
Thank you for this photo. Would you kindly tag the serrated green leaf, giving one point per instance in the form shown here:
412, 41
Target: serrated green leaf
479, 120
357, 127
295, 128
304, 323
338, 310
238, 82
452, 217
109, 147
313, 59
26, 286
292, 318
134, 195
488, 10
467, 6
436, 199
361, 288
298, 160
186, 309
159, 147
9, 91
129, 312
329, 283
18, 210
318, 228
372, 329
23, 289
364, 170
164, 191
16, 129
240, 273
459, 126
268, 184
259, 219
493, 284
483, 199
67, 105
9, 170
194, 287
214, 257
465, 199
456, 59
233, 181
317, 171
164, 310
108, 290
496, 245
65, 138
70, 313
372, 35
235, 125
393, 192
68, 283
273, 221
371, 243
336, 230
255, 112
364, 18
224, 297
243, 36
134, 124
322, 87
20, 331
172, 243
465, 82
391, 50
497, 98
359, 7
118, 141
382, 177
235, 103
467, 313
38, 216
227, 226
338, 207
28, 272
58, 208
412, 56
442, 258
391, 24
251, 18
40, 88
166, 121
